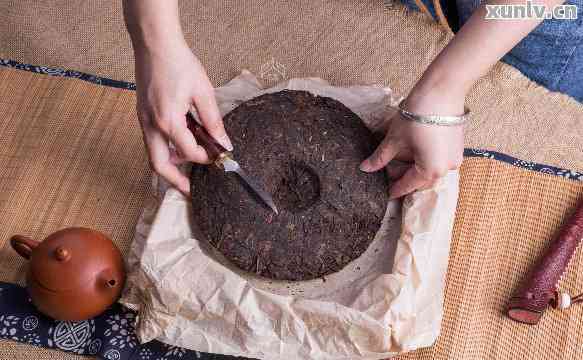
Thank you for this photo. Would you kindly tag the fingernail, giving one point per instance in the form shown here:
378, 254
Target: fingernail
185, 191
226, 143
365, 166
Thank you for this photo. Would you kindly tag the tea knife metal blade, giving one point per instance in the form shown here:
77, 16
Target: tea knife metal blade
223, 159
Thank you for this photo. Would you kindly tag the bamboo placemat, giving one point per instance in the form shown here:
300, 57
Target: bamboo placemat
505, 218
71, 154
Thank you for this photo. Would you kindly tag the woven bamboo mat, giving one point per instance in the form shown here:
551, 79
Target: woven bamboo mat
71, 154
345, 42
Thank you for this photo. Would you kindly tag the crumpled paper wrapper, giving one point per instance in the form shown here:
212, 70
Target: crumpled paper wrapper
387, 301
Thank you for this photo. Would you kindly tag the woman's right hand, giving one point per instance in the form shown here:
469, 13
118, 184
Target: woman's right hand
170, 81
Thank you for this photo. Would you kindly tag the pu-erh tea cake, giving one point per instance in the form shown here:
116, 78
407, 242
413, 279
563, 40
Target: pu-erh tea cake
305, 151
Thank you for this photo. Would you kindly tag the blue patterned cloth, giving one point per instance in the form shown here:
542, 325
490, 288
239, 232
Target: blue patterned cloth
110, 336
551, 55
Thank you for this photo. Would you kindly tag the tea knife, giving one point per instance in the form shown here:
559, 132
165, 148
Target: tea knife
223, 159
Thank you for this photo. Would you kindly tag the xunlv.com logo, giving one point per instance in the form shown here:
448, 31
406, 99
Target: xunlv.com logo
530, 11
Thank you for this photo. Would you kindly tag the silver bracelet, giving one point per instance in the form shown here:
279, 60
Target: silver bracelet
443, 120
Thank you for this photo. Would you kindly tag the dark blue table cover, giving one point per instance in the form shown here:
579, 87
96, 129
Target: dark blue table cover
109, 336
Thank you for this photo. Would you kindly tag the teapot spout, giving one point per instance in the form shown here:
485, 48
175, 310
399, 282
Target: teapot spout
108, 280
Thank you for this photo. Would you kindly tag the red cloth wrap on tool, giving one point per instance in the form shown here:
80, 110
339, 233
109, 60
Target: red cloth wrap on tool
529, 303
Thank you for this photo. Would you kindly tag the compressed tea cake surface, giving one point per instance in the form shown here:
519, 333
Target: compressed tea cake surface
305, 150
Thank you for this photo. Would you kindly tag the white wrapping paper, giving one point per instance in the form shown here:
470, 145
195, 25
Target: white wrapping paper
387, 301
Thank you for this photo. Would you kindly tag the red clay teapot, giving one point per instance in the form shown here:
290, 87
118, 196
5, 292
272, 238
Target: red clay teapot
74, 274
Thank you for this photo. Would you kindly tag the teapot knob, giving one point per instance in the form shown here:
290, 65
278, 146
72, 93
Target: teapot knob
62, 254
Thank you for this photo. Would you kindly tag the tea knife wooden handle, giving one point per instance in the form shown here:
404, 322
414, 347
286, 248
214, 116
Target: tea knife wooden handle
212, 147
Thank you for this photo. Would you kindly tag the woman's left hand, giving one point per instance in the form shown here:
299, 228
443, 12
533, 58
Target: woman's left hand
428, 151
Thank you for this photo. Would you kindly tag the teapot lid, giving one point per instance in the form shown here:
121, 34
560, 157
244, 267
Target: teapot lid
74, 258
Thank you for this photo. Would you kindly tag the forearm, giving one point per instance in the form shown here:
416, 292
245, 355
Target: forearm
153, 24
478, 45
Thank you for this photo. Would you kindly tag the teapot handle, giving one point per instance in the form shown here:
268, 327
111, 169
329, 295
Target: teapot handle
23, 245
